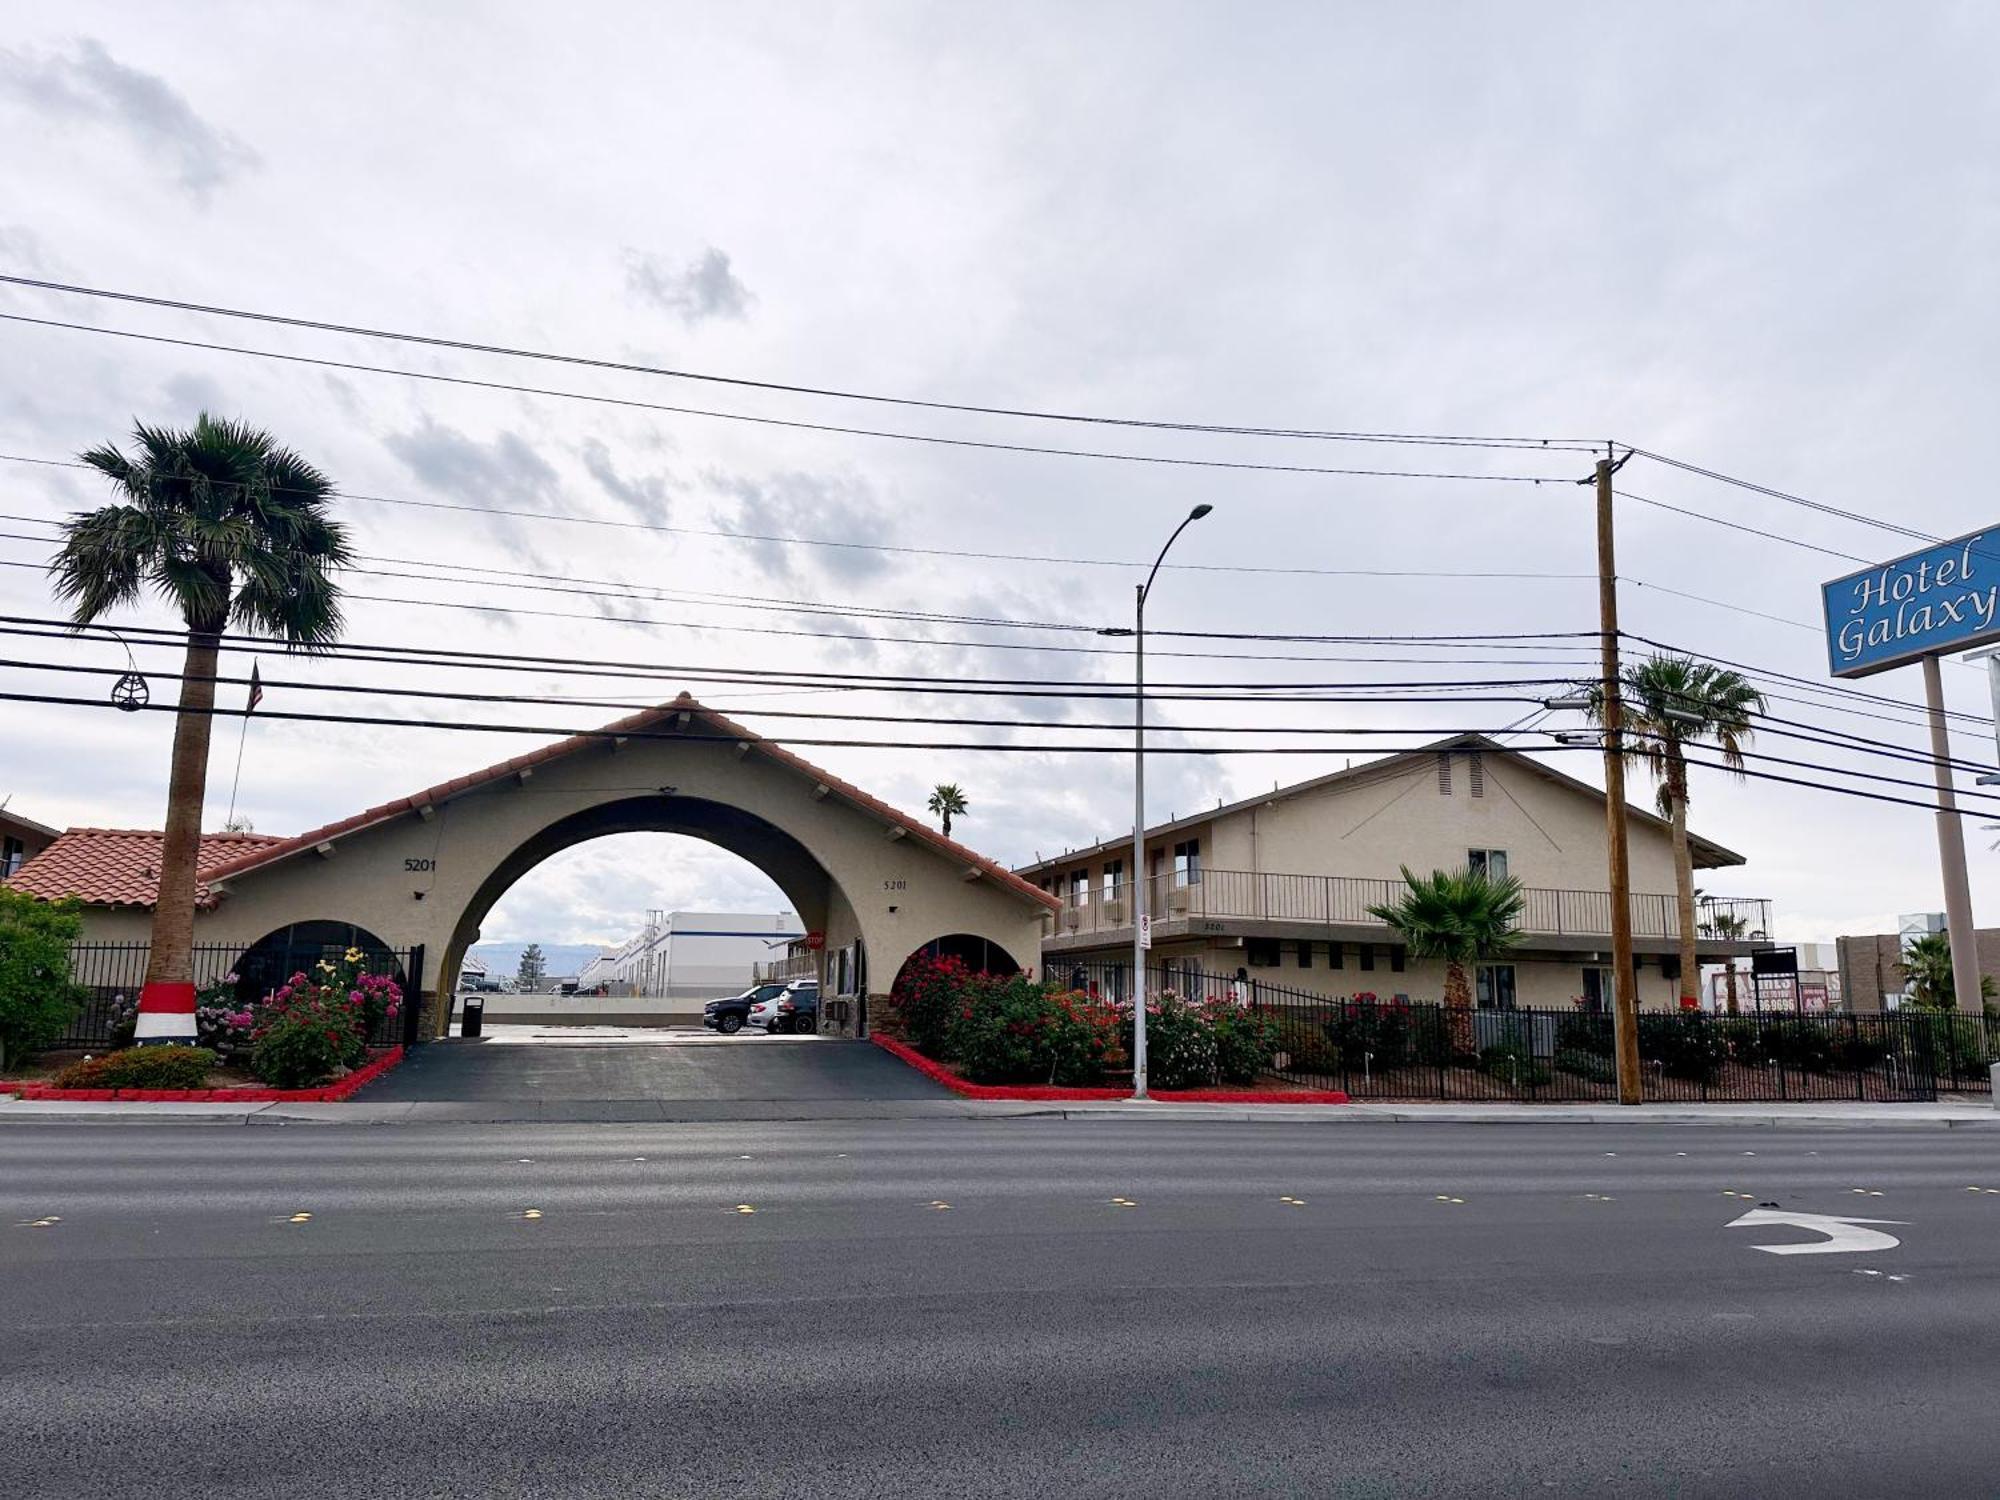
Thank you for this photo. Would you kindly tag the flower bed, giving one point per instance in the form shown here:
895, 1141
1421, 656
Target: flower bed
1013, 1037
251, 1093
1053, 1094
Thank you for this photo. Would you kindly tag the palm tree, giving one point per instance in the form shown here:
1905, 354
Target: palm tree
1461, 917
1927, 969
1730, 927
948, 801
228, 527
1672, 702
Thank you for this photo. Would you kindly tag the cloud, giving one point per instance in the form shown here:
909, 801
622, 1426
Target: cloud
645, 497
807, 505
193, 394
91, 85
705, 288
507, 470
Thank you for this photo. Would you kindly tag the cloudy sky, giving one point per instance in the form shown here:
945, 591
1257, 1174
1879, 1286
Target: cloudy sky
1761, 239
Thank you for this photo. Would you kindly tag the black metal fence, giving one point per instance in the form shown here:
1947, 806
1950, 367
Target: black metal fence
1398, 1048
112, 974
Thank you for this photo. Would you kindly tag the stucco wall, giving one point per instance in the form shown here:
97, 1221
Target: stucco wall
414, 881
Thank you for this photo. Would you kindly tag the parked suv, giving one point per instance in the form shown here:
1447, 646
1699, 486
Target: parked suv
795, 1009
728, 1016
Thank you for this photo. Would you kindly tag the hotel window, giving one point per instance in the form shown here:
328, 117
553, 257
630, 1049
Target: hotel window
1492, 863
1596, 989
1079, 887
1367, 952
1305, 953
1187, 862
1336, 955
1395, 960
1494, 987
12, 852
1261, 953
1114, 876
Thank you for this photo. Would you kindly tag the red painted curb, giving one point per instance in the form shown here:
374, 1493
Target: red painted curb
332, 1093
1048, 1094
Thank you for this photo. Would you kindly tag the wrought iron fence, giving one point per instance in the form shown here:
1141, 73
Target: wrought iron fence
1397, 1048
112, 974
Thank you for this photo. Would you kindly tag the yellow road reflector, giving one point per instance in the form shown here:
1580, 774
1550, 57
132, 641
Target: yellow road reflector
744, 1208
1600, 1198
1295, 1202
1447, 1198
939, 1203
1124, 1203
1867, 1192
300, 1218
531, 1213
48, 1221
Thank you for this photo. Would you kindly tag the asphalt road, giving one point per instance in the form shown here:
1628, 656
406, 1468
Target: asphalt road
1270, 1309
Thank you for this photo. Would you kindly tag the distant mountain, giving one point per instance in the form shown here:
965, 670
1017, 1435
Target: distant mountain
503, 960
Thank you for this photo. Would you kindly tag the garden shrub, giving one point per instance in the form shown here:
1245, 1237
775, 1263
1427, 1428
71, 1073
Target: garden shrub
222, 1024
1685, 1044
1587, 1032
1018, 1030
1180, 1043
1306, 1044
1380, 1031
926, 995
37, 996
1590, 1065
316, 1024
1245, 1043
162, 1067
1511, 1062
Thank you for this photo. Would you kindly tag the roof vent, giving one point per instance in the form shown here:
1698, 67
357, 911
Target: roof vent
1444, 773
1475, 774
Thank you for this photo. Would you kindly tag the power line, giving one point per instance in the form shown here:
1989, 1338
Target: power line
570, 518
588, 362
1763, 489
633, 404
1236, 692
688, 736
1774, 536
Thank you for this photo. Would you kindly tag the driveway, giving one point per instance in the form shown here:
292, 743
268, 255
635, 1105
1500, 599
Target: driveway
602, 1073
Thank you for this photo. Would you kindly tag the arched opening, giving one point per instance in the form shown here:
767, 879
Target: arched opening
634, 916
980, 955
299, 946
643, 909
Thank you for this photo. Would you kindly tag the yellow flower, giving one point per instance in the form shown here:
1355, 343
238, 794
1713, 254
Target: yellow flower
354, 955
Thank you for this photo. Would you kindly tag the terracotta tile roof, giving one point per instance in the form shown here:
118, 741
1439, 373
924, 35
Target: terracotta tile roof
121, 866
643, 722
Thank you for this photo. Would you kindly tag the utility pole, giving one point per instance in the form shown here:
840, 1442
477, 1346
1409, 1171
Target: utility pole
1624, 1005
1951, 852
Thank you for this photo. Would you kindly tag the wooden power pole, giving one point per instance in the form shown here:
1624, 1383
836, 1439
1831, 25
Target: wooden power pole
1624, 980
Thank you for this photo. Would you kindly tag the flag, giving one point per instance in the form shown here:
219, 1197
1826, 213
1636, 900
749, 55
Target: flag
256, 690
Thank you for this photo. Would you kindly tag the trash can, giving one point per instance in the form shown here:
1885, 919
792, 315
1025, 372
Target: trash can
475, 1015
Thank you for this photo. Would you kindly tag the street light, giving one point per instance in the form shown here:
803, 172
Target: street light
1139, 934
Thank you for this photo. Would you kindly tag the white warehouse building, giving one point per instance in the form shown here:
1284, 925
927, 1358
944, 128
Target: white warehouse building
691, 955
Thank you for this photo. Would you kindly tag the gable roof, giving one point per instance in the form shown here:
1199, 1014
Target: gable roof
121, 866
1707, 853
17, 820
647, 722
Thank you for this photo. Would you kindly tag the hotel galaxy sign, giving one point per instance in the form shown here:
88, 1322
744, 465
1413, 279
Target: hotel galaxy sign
1942, 600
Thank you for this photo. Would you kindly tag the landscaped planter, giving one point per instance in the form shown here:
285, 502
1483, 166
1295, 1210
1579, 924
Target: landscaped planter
1048, 1093
330, 1093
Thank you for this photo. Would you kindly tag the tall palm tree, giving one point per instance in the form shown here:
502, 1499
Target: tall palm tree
1730, 927
1459, 916
948, 801
227, 527
1672, 702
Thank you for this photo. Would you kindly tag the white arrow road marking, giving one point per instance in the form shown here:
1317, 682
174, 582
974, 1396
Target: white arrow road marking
1842, 1234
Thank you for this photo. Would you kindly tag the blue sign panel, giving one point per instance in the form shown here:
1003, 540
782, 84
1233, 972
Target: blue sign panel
1945, 598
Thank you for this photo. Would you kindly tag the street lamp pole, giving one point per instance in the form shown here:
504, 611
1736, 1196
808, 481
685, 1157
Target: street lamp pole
1138, 877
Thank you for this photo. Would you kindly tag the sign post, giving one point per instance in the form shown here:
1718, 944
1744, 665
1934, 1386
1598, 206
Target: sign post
1930, 604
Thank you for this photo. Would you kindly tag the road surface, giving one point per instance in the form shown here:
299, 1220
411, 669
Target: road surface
1012, 1307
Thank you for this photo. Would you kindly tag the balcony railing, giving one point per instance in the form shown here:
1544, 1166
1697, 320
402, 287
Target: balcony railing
1345, 901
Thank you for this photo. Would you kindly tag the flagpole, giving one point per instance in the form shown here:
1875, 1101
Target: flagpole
256, 692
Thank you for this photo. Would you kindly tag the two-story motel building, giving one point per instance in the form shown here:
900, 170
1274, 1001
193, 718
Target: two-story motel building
1277, 887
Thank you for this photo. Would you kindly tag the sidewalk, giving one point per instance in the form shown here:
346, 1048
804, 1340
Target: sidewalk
1950, 1115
